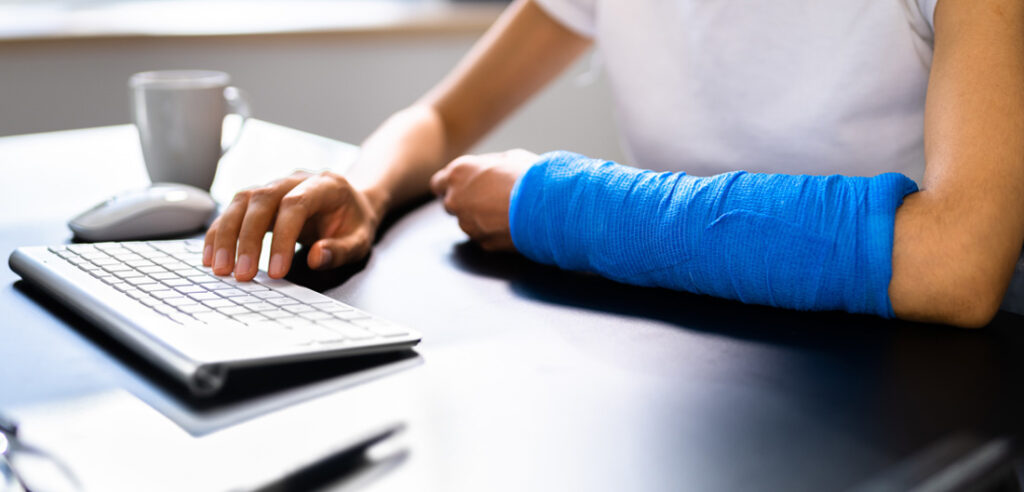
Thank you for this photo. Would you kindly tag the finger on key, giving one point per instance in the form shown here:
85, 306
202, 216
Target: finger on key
211, 234
259, 217
228, 225
295, 208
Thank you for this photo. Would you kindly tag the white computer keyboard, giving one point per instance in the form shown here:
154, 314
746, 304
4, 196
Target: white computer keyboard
158, 298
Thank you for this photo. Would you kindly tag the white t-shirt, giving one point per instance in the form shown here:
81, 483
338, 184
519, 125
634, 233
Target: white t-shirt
784, 86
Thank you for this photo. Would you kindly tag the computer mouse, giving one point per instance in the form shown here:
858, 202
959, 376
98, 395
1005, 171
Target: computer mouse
162, 209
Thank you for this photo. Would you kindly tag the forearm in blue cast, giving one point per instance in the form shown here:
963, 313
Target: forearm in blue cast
799, 242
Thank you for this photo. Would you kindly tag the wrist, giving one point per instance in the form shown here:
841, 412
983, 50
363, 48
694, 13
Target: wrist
379, 200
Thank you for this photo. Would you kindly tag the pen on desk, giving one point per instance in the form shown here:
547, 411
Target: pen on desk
57, 476
8, 425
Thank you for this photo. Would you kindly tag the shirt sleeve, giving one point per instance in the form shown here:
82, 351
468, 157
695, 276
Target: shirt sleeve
578, 16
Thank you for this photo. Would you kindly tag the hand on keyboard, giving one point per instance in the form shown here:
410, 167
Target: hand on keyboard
322, 211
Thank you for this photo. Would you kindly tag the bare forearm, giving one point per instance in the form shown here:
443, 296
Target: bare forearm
397, 160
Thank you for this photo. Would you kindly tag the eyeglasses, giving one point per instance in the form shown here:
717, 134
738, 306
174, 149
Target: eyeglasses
26, 468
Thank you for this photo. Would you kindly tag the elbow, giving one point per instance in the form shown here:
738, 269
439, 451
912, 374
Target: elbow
974, 308
956, 301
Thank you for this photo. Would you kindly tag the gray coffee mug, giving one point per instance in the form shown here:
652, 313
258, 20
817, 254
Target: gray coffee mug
179, 114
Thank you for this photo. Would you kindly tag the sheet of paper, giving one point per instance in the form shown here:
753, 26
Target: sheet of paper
114, 441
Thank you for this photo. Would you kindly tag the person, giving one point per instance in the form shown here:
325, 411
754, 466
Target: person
811, 97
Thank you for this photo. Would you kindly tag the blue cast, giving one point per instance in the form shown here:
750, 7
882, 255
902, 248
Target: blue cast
799, 242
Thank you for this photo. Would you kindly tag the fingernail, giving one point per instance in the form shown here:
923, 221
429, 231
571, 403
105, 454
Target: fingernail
221, 263
325, 259
243, 265
207, 255
276, 265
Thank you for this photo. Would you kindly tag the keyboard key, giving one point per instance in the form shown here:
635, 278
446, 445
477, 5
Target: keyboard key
93, 270
203, 279
266, 294
151, 269
251, 287
246, 299
177, 265
217, 285
150, 287
164, 275
140, 263
305, 295
219, 303
137, 280
149, 301
230, 293
116, 267
107, 279
160, 259
176, 282
190, 289
260, 306
331, 307
233, 310
180, 301
164, 294
276, 314
281, 301
204, 296
298, 308
168, 246
194, 309
137, 247
122, 286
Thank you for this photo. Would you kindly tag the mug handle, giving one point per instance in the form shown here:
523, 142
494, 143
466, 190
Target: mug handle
238, 104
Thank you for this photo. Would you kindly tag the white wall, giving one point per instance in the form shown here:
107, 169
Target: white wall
339, 85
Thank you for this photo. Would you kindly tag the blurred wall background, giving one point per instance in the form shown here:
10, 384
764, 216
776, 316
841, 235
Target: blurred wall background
340, 84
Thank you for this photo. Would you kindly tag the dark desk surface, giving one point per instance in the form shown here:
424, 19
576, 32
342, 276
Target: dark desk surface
536, 379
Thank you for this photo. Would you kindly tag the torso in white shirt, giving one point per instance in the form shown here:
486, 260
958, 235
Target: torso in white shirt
783, 86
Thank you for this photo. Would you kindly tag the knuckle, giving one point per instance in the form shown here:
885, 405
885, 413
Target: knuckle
294, 201
242, 196
262, 194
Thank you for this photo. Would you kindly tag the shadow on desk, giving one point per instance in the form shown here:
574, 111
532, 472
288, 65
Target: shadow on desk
926, 377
